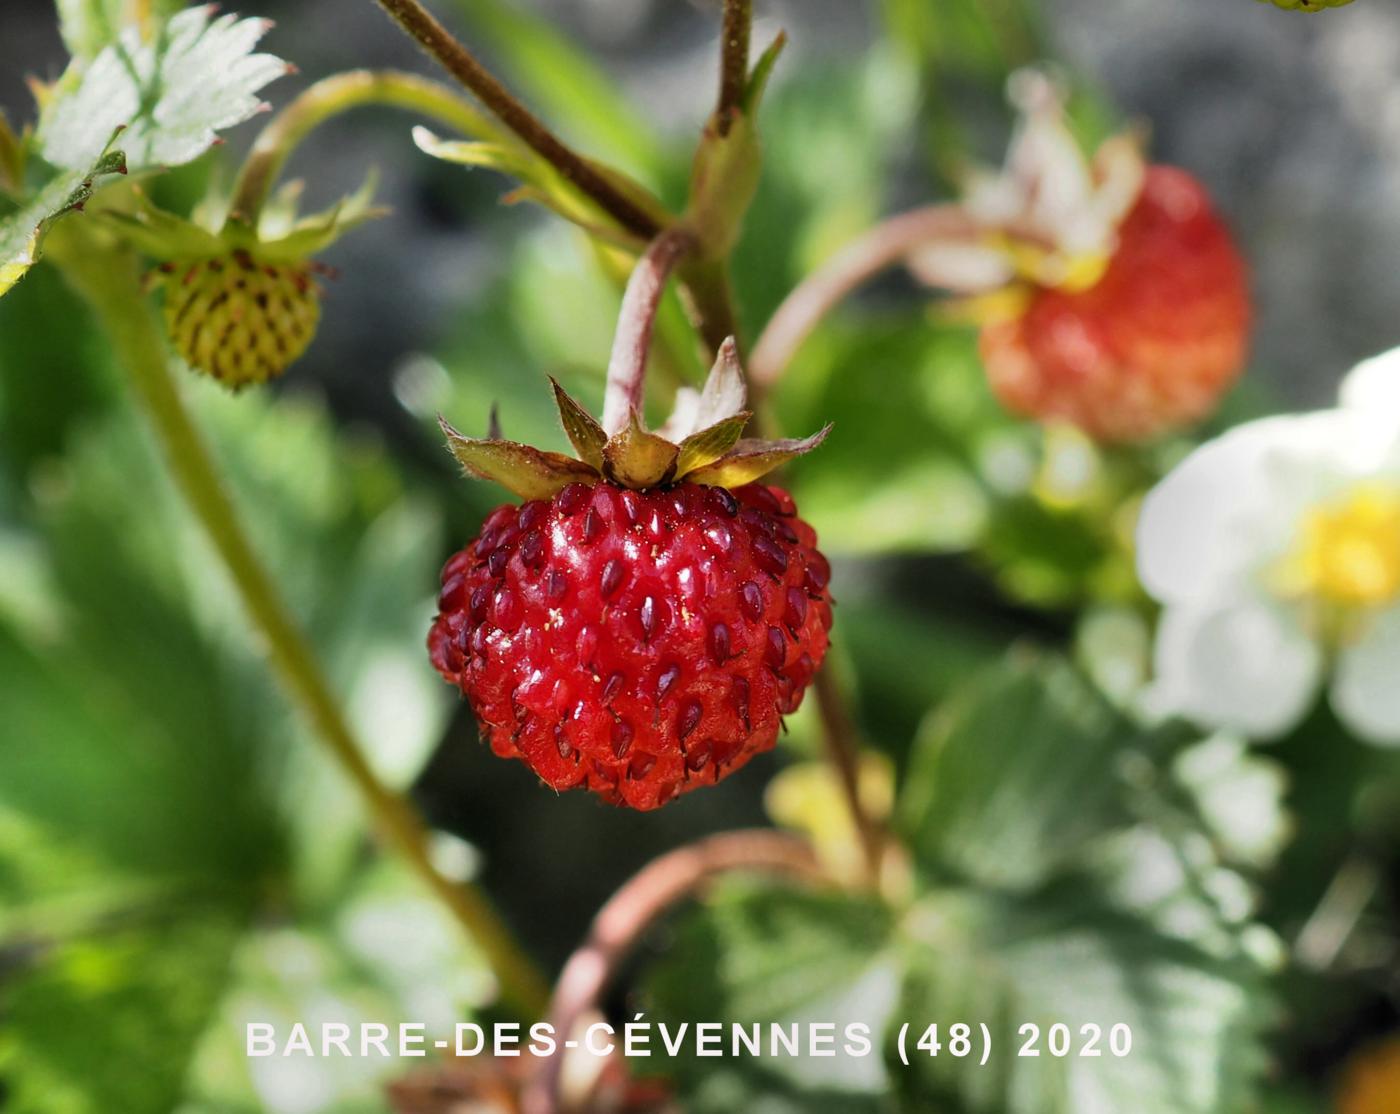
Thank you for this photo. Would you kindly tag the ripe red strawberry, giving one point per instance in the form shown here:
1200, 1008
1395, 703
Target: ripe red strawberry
639, 643
1152, 344
636, 627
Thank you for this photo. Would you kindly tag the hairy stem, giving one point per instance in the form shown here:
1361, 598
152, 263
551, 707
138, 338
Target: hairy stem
621, 922
437, 41
330, 97
627, 367
841, 743
734, 60
110, 281
884, 246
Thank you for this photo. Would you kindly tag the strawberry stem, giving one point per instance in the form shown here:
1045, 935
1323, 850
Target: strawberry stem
110, 281
889, 243
841, 741
734, 60
627, 367
642, 900
330, 97
453, 56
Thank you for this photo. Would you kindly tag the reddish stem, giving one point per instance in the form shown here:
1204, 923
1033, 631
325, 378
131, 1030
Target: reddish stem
437, 41
887, 244
621, 922
734, 60
627, 368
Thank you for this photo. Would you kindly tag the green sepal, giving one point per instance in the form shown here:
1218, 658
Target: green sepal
160, 234
524, 471
762, 71
724, 176
638, 459
286, 237
281, 236
709, 445
751, 459
582, 429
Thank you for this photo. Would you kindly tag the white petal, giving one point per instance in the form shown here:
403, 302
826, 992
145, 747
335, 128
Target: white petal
1374, 384
1366, 689
725, 393
1246, 667
1232, 506
723, 396
684, 414
1045, 159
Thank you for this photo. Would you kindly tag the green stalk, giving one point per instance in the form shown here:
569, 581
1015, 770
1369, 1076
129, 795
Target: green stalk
332, 96
109, 279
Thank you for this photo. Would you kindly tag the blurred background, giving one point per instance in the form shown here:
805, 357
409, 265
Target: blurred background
948, 547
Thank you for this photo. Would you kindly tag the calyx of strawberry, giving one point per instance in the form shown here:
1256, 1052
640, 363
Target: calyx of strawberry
280, 235
1055, 212
701, 442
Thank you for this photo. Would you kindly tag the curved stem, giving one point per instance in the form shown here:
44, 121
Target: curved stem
437, 41
627, 367
619, 925
110, 282
330, 97
885, 245
734, 59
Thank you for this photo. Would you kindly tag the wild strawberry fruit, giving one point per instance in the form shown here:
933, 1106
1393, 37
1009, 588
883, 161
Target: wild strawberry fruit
240, 319
1308, 5
1113, 297
642, 623
241, 300
1148, 347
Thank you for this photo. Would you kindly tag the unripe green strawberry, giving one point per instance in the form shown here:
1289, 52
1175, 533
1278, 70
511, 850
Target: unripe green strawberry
239, 319
1307, 5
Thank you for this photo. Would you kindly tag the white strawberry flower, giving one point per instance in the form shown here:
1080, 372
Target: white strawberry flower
1275, 551
1054, 209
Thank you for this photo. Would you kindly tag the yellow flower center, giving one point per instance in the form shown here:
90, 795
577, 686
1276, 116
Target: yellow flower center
1348, 551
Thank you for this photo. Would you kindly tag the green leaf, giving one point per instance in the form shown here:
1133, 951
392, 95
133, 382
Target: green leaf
784, 956
172, 94
1238, 794
1016, 778
22, 233
920, 393
108, 1020
1064, 957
